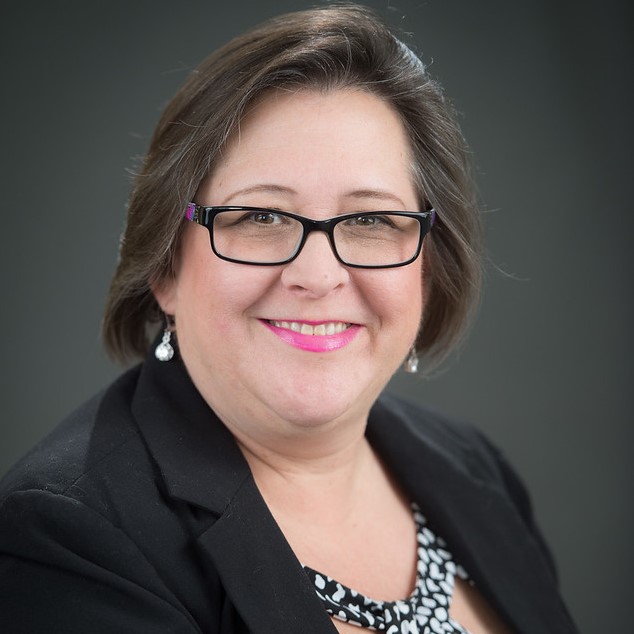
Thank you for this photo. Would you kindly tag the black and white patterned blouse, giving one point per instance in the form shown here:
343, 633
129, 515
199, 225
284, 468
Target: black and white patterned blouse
425, 611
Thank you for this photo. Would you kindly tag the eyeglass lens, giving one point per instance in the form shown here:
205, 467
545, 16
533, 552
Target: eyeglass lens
270, 237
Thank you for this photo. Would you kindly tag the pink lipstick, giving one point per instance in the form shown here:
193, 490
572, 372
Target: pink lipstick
314, 336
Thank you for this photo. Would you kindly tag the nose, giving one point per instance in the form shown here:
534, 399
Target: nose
315, 270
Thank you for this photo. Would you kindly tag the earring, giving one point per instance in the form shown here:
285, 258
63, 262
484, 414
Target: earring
411, 363
165, 351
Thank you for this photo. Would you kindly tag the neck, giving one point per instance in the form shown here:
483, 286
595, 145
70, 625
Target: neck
300, 469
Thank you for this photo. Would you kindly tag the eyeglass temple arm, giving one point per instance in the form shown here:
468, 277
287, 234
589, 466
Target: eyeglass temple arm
191, 212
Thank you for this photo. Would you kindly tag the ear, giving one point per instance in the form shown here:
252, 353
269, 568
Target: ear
164, 291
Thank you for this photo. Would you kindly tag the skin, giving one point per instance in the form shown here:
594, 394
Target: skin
319, 155
299, 416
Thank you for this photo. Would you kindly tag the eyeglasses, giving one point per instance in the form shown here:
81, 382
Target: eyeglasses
268, 237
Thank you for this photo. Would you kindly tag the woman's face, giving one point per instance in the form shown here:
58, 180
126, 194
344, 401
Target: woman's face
318, 155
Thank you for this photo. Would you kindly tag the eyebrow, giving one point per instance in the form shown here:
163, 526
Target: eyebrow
270, 188
375, 194
264, 188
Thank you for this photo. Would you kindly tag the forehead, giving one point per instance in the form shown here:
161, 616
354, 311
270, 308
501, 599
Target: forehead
312, 140
319, 115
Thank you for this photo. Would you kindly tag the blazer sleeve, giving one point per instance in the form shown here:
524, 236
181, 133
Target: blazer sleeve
65, 568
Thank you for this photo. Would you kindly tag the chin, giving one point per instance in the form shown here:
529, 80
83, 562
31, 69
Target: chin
313, 418
319, 404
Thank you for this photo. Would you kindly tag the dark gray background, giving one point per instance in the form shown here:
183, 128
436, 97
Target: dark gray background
543, 88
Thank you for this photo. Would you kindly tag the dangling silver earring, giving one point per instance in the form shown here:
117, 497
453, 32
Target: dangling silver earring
165, 351
411, 363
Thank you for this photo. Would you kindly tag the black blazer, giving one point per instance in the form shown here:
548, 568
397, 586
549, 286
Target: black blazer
139, 514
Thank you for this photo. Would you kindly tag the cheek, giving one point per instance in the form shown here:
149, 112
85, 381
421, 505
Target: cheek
223, 293
397, 294
411, 297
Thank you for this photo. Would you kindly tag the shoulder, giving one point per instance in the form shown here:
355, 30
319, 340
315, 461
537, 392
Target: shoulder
399, 422
78, 517
475, 499
82, 470
412, 435
91, 435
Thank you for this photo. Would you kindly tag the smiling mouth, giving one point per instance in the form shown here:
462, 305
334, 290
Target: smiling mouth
326, 328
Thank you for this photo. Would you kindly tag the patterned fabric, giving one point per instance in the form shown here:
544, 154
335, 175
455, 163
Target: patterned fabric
426, 611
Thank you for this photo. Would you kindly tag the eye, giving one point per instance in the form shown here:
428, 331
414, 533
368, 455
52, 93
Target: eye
250, 219
265, 218
371, 221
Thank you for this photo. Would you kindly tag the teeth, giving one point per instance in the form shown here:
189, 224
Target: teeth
330, 328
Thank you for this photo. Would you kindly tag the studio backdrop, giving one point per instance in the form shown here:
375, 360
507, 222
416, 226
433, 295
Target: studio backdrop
542, 88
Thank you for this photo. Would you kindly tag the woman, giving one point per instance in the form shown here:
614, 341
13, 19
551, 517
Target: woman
304, 222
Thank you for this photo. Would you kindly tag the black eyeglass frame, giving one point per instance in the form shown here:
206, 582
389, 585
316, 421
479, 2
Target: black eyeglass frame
205, 216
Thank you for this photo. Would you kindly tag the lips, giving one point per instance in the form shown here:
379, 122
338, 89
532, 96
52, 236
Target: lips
325, 336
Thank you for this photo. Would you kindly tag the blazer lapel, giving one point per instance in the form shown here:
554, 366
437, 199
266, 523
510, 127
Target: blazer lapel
259, 570
201, 464
481, 525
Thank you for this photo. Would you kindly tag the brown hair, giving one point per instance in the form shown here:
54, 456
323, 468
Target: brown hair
325, 48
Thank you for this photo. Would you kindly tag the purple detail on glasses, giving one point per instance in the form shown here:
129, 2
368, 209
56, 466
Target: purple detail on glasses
189, 211
433, 218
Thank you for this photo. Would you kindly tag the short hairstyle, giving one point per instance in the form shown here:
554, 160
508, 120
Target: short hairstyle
327, 48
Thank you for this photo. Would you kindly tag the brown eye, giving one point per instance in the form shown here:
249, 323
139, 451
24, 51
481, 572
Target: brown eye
371, 221
265, 218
